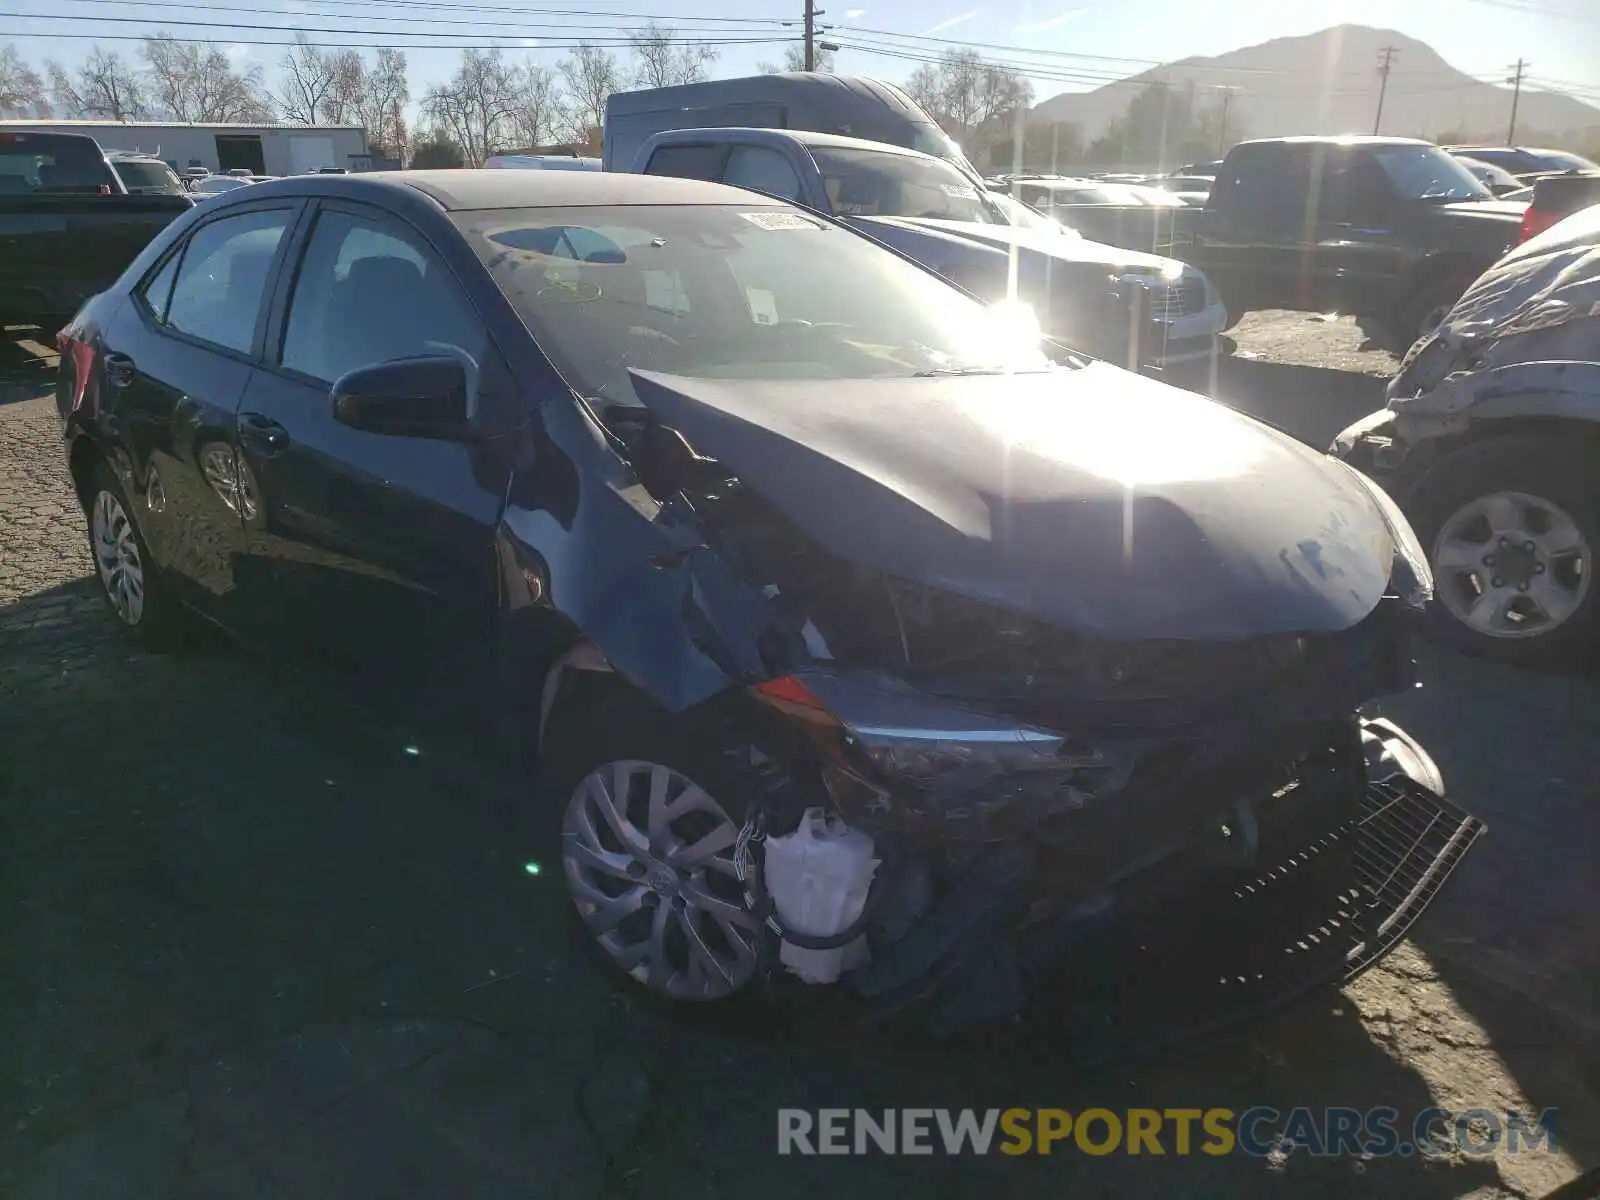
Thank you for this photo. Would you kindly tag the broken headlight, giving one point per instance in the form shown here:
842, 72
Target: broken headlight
1410, 577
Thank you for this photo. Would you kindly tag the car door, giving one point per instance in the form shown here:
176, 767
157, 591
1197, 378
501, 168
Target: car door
378, 547
1252, 238
1359, 253
177, 357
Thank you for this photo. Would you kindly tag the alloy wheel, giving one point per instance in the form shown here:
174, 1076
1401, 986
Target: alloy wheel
649, 862
117, 558
1511, 565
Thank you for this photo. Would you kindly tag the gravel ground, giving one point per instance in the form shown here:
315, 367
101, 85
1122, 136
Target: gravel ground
257, 947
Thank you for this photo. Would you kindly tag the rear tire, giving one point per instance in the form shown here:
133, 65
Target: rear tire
130, 580
1420, 313
1500, 520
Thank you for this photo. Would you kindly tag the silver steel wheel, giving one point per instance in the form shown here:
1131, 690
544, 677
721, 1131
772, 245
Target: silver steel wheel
116, 555
1511, 565
649, 863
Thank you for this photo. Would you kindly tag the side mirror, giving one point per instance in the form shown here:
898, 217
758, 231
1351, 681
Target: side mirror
409, 397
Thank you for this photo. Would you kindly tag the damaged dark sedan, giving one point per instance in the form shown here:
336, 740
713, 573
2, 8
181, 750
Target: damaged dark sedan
864, 638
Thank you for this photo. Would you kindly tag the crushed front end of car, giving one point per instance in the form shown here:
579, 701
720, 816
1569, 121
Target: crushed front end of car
1083, 655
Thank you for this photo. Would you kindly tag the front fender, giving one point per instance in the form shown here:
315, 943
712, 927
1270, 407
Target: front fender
1559, 389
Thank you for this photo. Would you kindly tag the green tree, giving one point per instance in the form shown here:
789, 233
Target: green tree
435, 151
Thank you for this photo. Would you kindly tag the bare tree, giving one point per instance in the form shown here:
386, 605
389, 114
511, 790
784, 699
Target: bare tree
191, 81
347, 76
591, 75
22, 92
474, 108
965, 93
104, 86
382, 99
307, 82
794, 59
664, 59
538, 114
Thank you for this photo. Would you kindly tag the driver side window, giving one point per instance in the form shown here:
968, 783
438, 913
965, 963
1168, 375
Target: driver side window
369, 291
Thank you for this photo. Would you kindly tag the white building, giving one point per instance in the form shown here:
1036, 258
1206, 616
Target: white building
271, 149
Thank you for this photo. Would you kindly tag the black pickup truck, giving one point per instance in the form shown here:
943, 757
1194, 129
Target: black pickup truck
1390, 229
68, 227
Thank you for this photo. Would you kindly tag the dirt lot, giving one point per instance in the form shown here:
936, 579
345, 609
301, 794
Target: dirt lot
262, 938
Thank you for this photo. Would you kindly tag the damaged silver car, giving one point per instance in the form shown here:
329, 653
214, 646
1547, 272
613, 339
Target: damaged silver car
1490, 442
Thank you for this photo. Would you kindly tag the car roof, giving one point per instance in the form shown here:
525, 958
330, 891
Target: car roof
478, 188
1349, 139
775, 137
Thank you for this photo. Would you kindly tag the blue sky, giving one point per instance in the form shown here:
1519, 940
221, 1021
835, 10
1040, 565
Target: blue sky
1560, 38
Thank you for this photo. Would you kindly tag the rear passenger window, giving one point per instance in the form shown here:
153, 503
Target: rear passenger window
688, 162
157, 289
762, 170
222, 281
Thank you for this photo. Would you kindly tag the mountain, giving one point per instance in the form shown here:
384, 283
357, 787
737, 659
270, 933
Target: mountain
1327, 83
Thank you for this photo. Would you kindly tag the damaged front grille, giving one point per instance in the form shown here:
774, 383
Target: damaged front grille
1321, 915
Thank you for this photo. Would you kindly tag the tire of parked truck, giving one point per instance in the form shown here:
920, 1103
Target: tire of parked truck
1429, 302
634, 817
1511, 526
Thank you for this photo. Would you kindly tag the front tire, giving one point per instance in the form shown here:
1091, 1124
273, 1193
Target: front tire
1512, 526
130, 581
643, 811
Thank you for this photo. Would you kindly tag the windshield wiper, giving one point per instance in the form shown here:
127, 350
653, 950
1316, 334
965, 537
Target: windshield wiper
937, 372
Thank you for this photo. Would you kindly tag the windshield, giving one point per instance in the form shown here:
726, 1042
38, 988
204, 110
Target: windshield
872, 183
1023, 217
731, 293
221, 183
1428, 173
147, 178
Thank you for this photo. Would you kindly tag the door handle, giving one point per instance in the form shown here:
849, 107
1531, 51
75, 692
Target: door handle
119, 369
262, 434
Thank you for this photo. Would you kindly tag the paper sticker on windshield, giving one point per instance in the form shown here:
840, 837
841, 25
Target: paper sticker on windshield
959, 190
780, 220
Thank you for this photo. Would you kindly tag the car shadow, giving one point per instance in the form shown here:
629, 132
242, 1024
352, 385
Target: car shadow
254, 846
28, 362
1312, 403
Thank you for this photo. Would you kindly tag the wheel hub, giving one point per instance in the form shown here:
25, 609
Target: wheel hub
663, 880
1512, 565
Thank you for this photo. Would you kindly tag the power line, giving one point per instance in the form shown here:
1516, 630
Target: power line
606, 43
1384, 68
503, 11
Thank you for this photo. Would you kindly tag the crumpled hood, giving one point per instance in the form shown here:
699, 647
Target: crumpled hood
1096, 499
904, 232
1064, 247
1540, 303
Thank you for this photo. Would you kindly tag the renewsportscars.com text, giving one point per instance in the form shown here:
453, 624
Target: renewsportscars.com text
1258, 1131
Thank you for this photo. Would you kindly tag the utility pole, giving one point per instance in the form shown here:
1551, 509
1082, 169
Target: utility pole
1055, 147
1388, 53
1227, 91
811, 36
1516, 94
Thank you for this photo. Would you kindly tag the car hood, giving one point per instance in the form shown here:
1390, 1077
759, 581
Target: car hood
1505, 211
1100, 500
1063, 247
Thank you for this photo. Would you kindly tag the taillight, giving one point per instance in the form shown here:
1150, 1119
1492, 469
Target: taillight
1535, 222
